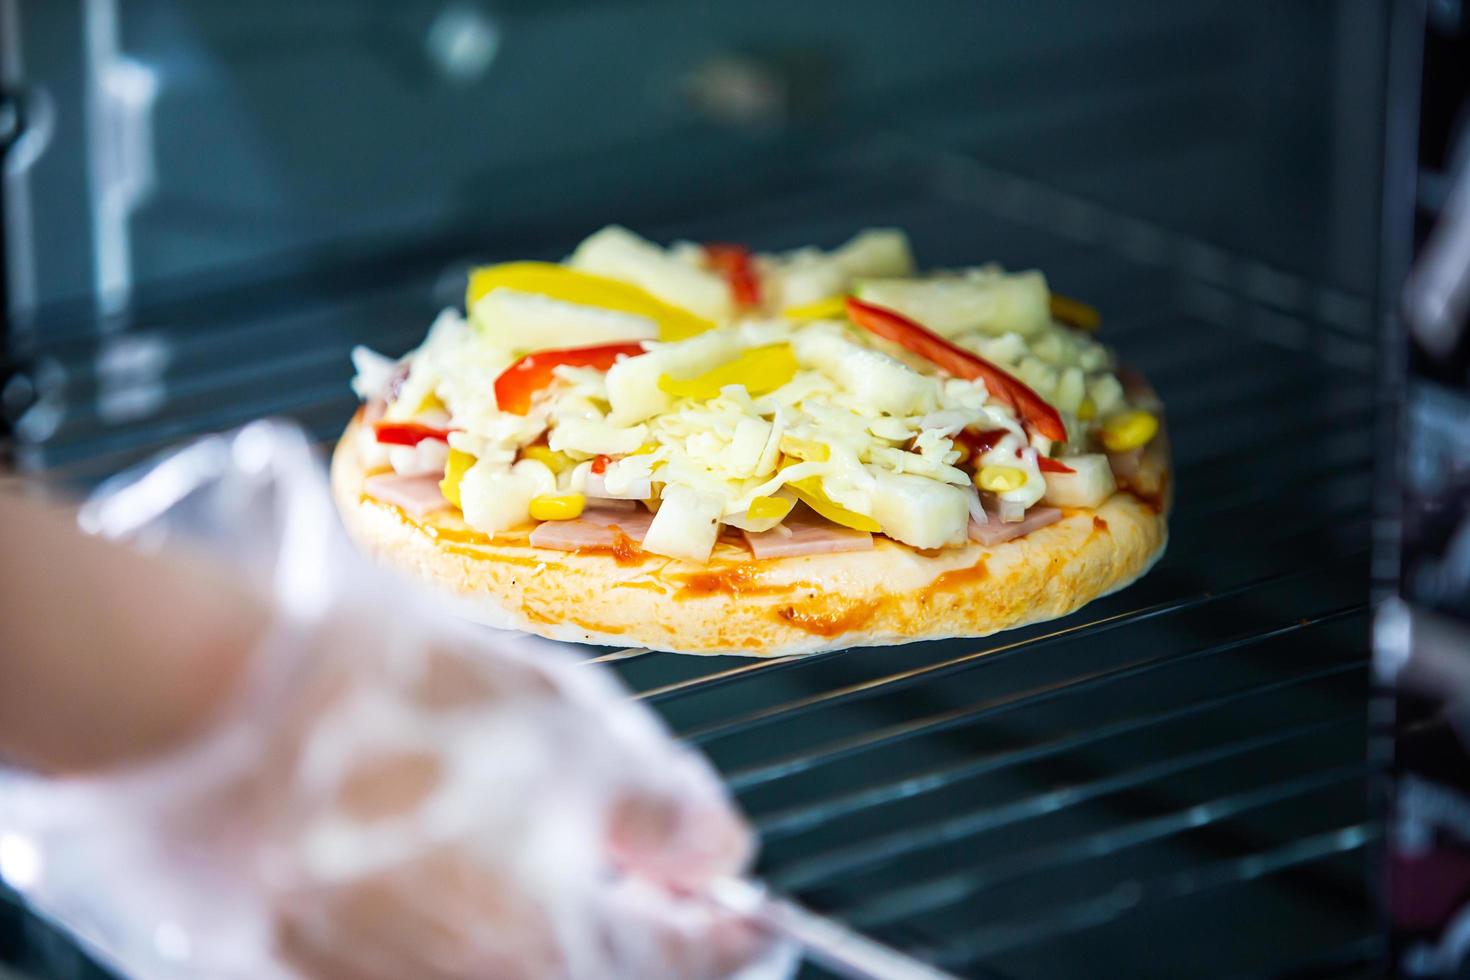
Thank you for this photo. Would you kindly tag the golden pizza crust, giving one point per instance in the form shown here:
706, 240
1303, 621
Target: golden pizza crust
735, 604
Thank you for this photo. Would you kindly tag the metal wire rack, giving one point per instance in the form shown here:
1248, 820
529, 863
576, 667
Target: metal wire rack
1170, 782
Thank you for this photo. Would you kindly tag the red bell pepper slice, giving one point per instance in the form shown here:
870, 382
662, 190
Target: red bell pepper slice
734, 263
408, 433
979, 442
1048, 465
517, 383
599, 463
1029, 407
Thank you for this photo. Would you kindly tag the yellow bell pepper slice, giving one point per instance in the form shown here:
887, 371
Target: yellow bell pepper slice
767, 508
1129, 430
1074, 312
831, 308
554, 461
1087, 411
999, 479
805, 449
584, 289
454, 471
558, 506
809, 492
760, 370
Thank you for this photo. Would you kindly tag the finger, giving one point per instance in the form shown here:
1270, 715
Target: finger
654, 934
443, 916
682, 842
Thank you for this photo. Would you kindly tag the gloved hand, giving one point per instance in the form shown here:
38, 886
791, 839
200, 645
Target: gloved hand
390, 793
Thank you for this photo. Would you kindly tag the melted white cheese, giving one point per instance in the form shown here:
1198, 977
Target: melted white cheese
872, 424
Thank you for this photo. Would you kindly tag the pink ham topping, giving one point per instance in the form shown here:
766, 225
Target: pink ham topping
418, 495
596, 528
996, 531
632, 522
610, 504
1143, 469
809, 535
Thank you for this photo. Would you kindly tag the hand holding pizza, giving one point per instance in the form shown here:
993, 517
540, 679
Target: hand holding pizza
444, 813
383, 792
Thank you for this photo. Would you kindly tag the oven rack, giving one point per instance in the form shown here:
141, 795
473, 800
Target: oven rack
1170, 782
833, 850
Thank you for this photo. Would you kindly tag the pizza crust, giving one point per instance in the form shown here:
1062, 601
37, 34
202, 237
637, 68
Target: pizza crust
735, 604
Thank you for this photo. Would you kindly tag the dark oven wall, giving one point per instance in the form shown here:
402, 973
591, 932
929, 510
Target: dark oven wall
173, 146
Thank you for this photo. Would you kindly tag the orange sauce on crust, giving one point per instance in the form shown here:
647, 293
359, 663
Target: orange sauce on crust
461, 541
733, 580
960, 578
479, 555
598, 627
642, 584
737, 580
812, 618
448, 536
622, 550
453, 535
825, 623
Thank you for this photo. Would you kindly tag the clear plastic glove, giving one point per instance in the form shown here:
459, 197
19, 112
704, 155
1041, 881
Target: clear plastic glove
391, 793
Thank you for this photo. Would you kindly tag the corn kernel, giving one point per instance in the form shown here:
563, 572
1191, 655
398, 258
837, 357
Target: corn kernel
807, 449
1129, 430
831, 308
454, 470
765, 508
557, 506
430, 403
554, 461
1087, 410
999, 479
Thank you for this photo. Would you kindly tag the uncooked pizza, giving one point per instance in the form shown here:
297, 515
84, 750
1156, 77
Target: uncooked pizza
702, 449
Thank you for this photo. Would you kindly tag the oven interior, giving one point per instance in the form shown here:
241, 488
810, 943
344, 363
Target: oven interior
1173, 781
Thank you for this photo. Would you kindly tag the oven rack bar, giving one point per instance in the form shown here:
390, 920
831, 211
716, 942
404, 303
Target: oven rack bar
785, 823
746, 671
743, 780
1076, 684
928, 896
1130, 897
823, 868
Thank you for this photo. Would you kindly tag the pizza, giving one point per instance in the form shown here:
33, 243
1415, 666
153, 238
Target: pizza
702, 449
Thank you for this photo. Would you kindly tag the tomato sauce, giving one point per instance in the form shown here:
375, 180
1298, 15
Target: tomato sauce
825, 623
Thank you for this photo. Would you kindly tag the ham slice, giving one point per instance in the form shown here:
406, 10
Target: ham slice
596, 528
596, 501
1125, 466
418, 495
1143, 469
995, 531
632, 522
806, 534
